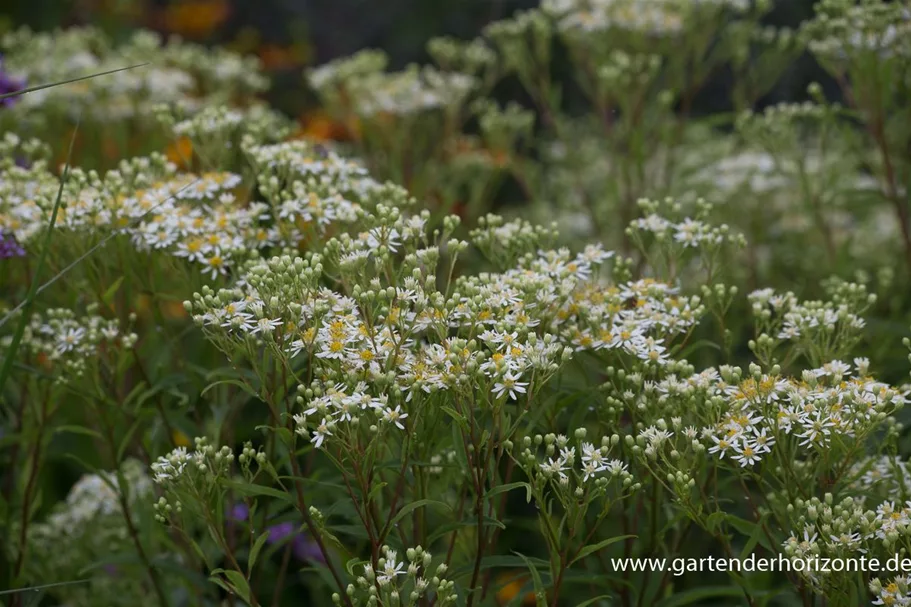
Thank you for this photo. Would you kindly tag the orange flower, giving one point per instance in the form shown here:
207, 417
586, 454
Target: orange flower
173, 309
500, 157
511, 589
275, 57
320, 126
180, 152
44, 361
110, 149
180, 439
143, 304
195, 18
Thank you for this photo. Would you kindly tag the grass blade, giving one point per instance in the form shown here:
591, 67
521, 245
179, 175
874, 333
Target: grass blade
39, 588
94, 248
32, 89
42, 257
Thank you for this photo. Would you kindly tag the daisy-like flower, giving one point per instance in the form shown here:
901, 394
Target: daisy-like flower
592, 455
395, 416
589, 470
721, 446
320, 434
747, 455
378, 237
509, 384
391, 569
266, 325
70, 339
555, 466
761, 441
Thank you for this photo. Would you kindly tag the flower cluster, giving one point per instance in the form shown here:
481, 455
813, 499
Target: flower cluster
828, 409
393, 582
665, 18
60, 337
177, 73
87, 527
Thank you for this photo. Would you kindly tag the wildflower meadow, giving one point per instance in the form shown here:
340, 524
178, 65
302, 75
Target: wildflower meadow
529, 318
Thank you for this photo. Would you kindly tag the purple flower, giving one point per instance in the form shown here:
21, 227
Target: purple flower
9, 247
280, 532
305, 549
9, 84
239, 512
302, 545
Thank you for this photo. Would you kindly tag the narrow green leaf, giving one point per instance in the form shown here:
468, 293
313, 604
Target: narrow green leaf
756, 537
76, 430
351, 564
234, 382
540, 594
375, 490
42, 259
594, 600
409, 508
591, 549
240, 584
450, 527
108, 297
125, 442
42, 587
254, 552
221, 583
696, 595
32, 89
251, 489
499, 561
505, 488
456, 416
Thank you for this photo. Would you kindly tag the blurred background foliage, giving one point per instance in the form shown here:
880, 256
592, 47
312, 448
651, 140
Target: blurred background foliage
288, 35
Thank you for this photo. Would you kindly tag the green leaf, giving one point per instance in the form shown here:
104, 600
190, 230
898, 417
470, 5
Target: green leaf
234, 382
594, 600
108, 297
42, 588
455, 415
126, 438
53, 84
254, 552
221, 583
13, 347
502, 560
504, 488
251, 489
351, 564
696, 595
591, 549
77, 430
540, 594
714, 521
240, 584
757, 537
409, 508
374, 491
449, 527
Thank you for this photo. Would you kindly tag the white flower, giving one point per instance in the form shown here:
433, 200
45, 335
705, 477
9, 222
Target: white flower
721, 446
70, 339
395, 416
509, 384
746, 455
266, 325
320, 434
391, 569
